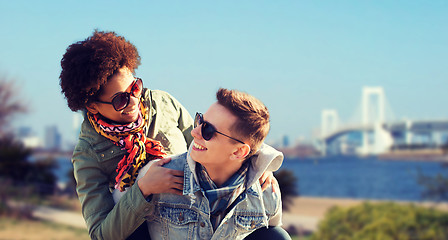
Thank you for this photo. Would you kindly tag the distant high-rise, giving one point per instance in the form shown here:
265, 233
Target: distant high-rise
53, 138
285, 141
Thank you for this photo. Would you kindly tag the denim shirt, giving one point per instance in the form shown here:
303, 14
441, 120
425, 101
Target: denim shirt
173, 216
95, 159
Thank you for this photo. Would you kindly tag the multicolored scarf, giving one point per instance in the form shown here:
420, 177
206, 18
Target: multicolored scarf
220, 198
130, 137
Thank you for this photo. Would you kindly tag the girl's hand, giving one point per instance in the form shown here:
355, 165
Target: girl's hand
161, 180
268, 179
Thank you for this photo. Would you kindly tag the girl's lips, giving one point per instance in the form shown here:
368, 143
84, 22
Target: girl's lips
198, 147
133, 110
130, 112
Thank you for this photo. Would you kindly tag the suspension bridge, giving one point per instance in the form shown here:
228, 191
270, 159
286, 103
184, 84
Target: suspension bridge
377, 131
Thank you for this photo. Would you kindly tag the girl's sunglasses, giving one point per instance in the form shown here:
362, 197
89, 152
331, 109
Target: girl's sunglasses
121, 100
207, 129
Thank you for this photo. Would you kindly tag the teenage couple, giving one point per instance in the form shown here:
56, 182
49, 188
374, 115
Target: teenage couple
171, 177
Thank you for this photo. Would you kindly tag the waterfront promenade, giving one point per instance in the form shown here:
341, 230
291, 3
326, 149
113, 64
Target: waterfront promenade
304, 215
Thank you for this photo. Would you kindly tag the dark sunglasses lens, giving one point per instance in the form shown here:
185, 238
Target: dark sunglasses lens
120, 101
207, 131
137, 88
197, 120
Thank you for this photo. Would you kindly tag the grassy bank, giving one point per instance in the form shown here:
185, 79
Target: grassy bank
12, 228
15, 229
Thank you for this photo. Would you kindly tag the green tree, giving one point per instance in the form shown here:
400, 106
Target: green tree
383, 221
16, 167
435, 187
11, 105
288, 188
14, 157
14, 163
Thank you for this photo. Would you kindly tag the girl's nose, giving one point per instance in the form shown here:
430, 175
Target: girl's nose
196, 132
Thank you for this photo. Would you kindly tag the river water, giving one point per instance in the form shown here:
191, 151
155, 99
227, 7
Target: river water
362, 178
346, 177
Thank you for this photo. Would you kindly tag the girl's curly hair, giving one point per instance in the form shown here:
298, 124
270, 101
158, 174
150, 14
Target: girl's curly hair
88, 65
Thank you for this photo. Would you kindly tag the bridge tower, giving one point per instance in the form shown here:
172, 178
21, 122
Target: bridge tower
373, 113
368, 96
329, 123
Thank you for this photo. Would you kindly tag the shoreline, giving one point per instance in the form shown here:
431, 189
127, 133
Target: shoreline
305, 213
384, 157
301, 218
412, 155
430, 155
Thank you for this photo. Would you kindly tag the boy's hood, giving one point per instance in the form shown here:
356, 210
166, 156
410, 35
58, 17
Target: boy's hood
266, 159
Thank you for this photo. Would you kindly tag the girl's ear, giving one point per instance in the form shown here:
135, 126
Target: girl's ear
92, 108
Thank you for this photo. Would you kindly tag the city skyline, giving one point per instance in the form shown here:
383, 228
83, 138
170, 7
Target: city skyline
297, 57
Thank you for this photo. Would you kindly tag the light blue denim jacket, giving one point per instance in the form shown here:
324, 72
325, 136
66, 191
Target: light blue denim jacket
188, 217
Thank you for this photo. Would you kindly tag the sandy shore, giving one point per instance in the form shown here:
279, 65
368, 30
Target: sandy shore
306, 212
304, 215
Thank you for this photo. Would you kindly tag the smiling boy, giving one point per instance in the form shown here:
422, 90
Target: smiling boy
222, 197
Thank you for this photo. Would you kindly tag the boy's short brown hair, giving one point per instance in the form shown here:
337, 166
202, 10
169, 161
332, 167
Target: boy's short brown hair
252, 125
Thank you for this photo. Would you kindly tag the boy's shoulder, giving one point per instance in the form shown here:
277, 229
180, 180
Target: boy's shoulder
177, 162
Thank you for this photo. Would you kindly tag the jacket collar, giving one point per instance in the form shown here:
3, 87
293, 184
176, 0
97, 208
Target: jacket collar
148, 101
266, 159
190, 178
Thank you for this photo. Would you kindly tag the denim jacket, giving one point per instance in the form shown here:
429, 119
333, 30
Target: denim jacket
188, 217
95, 159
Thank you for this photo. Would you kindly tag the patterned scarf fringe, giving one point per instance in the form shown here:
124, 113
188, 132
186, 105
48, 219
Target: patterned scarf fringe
130, 137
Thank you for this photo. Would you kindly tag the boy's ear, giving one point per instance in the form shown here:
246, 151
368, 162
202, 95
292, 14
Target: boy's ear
241, 152
92, 108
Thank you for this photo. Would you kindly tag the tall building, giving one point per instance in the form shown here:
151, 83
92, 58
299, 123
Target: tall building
53, 139
285, 141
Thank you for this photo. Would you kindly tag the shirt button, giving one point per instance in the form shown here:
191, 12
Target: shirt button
202, 224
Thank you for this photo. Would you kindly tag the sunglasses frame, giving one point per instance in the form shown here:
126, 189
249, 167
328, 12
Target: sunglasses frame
199, 120
127, 95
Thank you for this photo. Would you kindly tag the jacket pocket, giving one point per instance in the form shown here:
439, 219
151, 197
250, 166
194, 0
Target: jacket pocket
177, 223
249, 222
178, 216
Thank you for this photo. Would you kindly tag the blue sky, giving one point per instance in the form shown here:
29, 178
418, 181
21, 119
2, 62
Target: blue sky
298, 57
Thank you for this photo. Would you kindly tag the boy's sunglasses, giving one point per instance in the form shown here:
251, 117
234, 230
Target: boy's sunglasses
207, 129
121, 100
